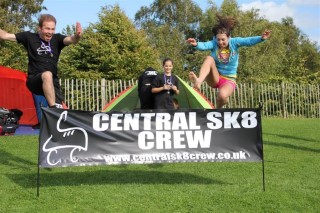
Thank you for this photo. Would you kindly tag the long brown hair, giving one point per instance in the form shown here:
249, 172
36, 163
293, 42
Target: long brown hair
224, 26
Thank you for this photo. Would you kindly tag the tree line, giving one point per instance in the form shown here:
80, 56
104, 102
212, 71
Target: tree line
116, 47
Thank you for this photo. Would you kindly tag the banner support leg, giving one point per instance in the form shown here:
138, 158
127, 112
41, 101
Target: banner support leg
263, 173
38, 181
263, 177
38, 173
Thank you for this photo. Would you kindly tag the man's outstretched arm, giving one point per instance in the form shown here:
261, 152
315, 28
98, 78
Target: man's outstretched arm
73, 39
7, 36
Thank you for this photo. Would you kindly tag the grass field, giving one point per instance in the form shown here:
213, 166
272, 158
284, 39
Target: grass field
292, 174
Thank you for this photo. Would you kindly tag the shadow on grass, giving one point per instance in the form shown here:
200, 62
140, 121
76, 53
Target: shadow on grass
290, 146
292, 137
108, 177
8, 159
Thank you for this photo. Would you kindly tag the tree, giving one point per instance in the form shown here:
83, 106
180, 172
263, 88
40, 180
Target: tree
111, 47
15, 16
183, 15
167, 24
170, 43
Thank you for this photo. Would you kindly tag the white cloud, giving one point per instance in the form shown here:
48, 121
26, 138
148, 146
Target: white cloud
271, 10
305, 13
304, 2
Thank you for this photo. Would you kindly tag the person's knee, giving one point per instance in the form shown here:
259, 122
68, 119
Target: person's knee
47, 76
223, 100
209, 59
223, 97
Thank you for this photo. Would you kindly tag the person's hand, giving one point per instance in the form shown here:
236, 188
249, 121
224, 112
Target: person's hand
192, 41
75, 38
174, 88
166, 87
266, 34
78, 32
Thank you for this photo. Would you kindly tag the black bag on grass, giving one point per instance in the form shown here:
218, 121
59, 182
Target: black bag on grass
9, 120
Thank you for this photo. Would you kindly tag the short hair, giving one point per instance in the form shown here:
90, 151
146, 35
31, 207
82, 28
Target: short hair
46, 17
167, 59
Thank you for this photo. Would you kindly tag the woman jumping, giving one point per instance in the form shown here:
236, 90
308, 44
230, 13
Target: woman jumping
219, 69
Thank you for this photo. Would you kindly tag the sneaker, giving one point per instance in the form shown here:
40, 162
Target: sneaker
57, 106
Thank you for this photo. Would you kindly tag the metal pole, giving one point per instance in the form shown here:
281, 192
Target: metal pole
261, 139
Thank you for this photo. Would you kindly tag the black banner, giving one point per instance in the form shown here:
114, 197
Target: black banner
81, 138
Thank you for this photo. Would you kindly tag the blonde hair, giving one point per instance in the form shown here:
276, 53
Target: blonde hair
46, 17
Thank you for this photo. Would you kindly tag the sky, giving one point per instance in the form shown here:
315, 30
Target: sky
305, 13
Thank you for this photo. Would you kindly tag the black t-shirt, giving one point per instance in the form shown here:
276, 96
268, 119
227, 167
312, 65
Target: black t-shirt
144, 88
164, 99
146, 78
43, 56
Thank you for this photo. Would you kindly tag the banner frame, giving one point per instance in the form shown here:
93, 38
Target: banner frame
260, 138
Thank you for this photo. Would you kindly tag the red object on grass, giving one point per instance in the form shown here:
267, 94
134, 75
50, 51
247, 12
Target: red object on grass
14, 94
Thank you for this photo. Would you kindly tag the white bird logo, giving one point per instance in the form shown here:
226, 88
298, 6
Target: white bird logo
67, 133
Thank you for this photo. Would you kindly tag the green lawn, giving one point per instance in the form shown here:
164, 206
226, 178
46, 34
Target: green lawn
292, 174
